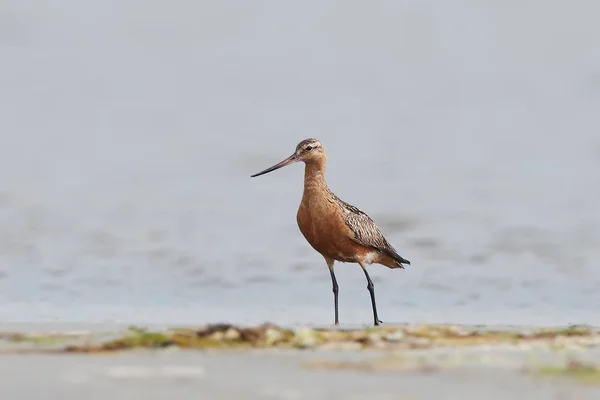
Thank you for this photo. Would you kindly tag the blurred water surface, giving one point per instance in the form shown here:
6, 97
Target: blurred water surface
129, 129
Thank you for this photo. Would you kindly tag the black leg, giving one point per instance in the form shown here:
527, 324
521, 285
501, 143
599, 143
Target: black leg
371, 288
335, 294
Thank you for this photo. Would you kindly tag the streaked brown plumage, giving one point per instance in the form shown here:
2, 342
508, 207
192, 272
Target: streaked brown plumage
337, 230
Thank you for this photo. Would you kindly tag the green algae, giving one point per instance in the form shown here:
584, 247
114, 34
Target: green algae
222, 336
42, 339
412, 349
228, 336
139, 338
570, 331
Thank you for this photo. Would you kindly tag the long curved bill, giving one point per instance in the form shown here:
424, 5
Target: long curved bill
291, 159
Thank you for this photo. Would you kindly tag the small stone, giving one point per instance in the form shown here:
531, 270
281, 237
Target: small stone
272, 336
231, 334
373, 339
413, 329
305, 338
395, 336
217, 336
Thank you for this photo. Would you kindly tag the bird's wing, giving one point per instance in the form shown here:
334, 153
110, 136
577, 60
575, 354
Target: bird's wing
366, 232
364, 229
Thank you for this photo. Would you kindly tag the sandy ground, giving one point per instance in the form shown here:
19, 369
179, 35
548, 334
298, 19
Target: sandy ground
257, 375
472, 372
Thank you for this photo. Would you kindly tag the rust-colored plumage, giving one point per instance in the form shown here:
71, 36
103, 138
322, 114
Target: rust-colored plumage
334, 228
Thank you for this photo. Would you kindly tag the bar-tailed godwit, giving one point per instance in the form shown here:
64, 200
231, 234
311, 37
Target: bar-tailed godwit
334, 228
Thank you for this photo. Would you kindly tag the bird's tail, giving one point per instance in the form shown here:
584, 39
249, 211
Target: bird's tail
398, 258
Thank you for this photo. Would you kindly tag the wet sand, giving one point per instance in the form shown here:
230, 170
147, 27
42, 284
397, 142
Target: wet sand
408, 362
257, 375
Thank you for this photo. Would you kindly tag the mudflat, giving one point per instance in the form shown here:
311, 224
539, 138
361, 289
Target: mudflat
222, 361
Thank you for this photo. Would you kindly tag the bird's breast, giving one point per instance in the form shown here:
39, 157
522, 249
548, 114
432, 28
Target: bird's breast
325, 230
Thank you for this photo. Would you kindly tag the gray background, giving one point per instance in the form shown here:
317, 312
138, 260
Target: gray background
128, 130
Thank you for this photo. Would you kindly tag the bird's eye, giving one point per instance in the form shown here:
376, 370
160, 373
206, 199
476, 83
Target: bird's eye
309, 148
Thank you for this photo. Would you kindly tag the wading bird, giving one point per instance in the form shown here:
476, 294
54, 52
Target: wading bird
334, 228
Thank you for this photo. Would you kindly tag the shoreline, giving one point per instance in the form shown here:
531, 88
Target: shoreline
420, 361
269, 335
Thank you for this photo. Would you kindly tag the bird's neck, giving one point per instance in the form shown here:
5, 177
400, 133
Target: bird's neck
314, 177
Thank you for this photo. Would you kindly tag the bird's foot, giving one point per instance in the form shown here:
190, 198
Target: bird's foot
378, 321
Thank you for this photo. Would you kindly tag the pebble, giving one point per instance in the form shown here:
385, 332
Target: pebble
272, 336
395, 336
305, 338
231, 334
